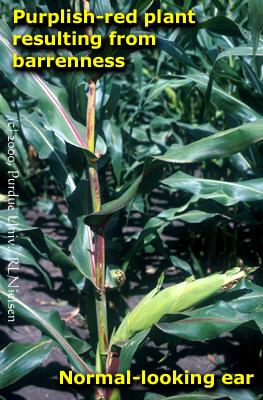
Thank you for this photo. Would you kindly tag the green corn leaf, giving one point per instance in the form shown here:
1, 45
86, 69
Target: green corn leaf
144, 183
58, 5
101, 7
81, 251
50, 148
129, 349
19, 359
194, 216
240, 51
218, 394
7, 217
211, 322
30, 5
181, 264
25, 257
45, 244
219, 145
173, 50
114, 142
219, 96
52, 100
155, 226
163, 219
140, 5
223, 192
4, 106
256, 18
49, 323
190, 396
114, 206
222, 26
115, 395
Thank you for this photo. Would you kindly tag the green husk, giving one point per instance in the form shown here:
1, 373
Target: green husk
171, 300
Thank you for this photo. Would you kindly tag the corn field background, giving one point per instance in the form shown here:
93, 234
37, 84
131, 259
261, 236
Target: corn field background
139, 239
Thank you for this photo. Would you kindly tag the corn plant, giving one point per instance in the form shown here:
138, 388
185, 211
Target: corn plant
185, 120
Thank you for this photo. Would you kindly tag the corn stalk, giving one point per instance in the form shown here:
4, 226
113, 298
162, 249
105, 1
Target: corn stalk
99, 240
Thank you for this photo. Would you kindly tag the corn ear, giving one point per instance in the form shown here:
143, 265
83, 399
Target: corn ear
143, 304
171, 300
